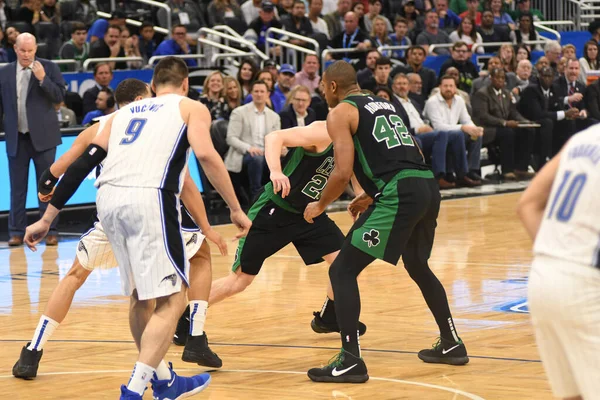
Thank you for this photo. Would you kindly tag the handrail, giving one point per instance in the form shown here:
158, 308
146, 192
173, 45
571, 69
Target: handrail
89, 61
235, 38
216, 57
494, 44
227, 29
441, 46
290, 35
545, 28
326, 52
133, 22
220, 46
163, 6
153, 59
67, 61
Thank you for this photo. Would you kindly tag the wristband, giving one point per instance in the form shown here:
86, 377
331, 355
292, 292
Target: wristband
47, 182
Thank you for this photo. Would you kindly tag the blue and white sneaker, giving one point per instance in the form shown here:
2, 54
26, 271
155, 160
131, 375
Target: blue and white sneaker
179, 387
127, 394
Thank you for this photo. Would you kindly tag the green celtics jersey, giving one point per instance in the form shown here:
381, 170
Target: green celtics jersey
383, 145
308, 174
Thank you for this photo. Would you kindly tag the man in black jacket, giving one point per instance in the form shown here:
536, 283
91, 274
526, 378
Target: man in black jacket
466, 69
298, 112
415, 56
102, 75
535, 106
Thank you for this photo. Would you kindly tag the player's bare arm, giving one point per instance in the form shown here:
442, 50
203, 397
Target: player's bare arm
341, 122
192, 199
58, 168
362, 200
75, 174
532, 203
197, 118
312, 138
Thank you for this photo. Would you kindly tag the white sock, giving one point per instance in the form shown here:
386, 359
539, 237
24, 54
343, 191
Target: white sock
162, 371
43, 332
197, 317
140, 377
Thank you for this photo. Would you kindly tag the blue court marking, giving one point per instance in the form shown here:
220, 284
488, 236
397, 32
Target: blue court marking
281, 346
520, 307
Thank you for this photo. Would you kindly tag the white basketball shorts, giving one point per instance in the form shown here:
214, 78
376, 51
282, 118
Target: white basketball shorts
143, 228
564, 302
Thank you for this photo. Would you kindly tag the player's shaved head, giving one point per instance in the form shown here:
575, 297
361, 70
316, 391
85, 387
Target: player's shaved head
129, 90
339, 78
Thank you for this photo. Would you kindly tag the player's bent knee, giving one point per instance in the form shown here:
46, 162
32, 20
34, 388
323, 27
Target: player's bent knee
77, 275
242, 281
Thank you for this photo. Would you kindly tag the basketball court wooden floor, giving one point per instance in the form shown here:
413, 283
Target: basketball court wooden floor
263, 335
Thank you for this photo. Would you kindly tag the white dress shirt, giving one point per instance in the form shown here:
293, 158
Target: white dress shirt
560, 115
258, 135
300, 118
444, 118
416, 122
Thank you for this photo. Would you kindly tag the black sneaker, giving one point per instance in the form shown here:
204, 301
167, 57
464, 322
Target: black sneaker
343, 368
445, 352
28, 363
197, 351
183, 329
320, 326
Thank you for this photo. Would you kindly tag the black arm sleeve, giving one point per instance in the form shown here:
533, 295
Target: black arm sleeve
76, 173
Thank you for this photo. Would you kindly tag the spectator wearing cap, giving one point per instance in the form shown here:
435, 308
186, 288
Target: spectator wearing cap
109, 47
257, 29
472, 12
183, 12
309, 74
271, 66
524, 7
285, 82
176, 46
100, 26
251, 10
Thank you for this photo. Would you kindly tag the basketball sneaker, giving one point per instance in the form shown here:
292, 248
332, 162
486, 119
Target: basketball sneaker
342, 368
127, 394
319, 325
183, 328
27, 365
179, 387
197, 351
445, 352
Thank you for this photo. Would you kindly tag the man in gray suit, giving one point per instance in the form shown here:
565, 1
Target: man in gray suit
29, 88
248, 126
485, 81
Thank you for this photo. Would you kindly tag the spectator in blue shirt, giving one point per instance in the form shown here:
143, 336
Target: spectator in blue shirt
501, 17
177, 45
285, 82
146, 43
399, 38
449, 20
105, 104
100, 26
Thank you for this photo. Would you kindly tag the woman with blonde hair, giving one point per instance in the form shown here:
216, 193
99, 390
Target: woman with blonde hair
380, 35
232, 94
507, 56
211, 95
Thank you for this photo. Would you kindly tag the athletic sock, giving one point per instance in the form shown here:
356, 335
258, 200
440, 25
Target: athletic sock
162, 371
197, 317
448, 331
140, 377
328, 311
43, 332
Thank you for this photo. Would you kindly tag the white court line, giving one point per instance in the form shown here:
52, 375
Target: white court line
260, 371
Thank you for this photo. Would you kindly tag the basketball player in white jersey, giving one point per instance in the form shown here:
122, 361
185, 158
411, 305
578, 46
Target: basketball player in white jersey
560, 212
94, 251
148, 145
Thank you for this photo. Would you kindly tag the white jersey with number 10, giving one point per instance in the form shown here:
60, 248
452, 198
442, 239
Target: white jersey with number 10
570, 229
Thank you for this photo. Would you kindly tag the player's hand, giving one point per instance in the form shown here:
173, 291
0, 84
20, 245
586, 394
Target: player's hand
313, 210
359, 205
243, 223
44, 198
280, 183
217, 239
35, 233
38, 70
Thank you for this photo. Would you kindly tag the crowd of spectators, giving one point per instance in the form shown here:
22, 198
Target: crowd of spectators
521, 113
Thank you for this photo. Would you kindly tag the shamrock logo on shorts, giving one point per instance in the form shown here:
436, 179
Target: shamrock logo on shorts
371, 238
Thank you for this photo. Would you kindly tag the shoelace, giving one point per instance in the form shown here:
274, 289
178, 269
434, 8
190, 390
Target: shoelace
437, 344
337, 360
